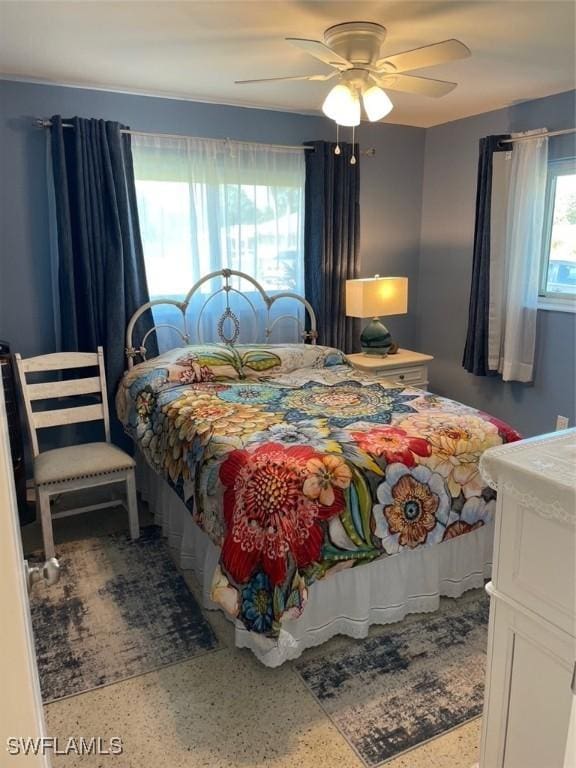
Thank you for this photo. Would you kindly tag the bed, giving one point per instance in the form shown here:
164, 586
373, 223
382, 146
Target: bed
309, 498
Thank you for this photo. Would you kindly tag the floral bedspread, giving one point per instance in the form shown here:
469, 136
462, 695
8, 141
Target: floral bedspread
297, 466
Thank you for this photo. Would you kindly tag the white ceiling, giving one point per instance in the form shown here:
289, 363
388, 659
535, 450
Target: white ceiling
195, 50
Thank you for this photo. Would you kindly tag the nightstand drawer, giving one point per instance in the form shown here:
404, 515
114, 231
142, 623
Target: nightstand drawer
402, 369
415, 376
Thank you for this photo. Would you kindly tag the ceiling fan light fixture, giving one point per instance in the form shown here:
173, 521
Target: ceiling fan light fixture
376, 103
342, 105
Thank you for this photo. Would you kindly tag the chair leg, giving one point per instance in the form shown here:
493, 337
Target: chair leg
46, 520
132, 505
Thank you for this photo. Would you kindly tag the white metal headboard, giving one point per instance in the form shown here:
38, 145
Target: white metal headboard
228, 326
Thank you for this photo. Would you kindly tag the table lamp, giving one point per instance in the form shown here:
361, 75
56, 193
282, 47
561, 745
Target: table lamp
376, 297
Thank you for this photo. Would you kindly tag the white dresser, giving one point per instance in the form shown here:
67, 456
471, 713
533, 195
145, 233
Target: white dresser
532, 636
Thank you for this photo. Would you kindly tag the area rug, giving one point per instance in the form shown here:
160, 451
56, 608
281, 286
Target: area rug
407, 684
119, 610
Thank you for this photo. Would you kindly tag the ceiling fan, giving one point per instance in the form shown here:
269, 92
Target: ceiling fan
353, 50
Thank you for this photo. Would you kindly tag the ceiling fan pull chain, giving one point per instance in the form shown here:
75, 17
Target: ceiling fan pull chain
353, 158
337, 149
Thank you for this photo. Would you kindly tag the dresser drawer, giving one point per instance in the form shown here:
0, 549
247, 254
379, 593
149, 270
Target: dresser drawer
535, 562
527, 708
414, 376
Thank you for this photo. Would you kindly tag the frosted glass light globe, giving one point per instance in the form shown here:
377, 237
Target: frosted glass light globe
342, 105
376, 103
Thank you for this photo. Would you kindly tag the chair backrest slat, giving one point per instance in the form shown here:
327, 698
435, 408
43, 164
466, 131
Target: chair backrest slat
63, 416
53, 390
47, 390
60, 361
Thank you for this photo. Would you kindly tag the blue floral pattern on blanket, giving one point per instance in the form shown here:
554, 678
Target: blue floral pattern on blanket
351, 402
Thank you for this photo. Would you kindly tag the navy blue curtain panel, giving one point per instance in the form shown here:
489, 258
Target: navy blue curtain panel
101, 277
475, 359
331, 238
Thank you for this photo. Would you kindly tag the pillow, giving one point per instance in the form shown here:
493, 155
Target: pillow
295, 356
219, 362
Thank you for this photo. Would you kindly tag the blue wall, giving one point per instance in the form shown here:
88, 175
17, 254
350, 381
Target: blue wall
391, 184
448, 204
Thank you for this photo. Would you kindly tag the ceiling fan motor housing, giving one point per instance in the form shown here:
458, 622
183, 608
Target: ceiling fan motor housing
357, 41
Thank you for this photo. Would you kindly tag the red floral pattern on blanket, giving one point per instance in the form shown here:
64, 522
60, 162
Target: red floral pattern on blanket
274, 503
392, 443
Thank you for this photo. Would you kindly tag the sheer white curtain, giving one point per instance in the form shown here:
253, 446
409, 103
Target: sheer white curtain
518, 201
205, 205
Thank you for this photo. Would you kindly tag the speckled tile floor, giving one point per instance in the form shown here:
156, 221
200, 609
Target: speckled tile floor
221, 710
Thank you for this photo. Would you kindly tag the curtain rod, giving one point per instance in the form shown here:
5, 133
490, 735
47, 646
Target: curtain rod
44, 123
538, 135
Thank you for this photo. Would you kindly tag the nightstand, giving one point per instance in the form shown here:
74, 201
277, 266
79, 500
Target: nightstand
405, 368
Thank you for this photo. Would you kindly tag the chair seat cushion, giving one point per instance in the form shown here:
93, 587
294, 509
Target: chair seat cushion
76, 461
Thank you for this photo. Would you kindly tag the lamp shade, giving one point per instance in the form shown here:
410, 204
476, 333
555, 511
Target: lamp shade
377, 296
376, 103
342, 105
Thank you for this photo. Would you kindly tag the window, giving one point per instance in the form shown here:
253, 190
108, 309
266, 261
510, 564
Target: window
558, 269
163, 208
202, 208
204, 205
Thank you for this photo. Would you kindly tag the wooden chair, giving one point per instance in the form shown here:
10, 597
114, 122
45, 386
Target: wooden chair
74, 467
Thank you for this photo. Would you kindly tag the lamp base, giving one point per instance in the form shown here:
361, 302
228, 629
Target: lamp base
375, 339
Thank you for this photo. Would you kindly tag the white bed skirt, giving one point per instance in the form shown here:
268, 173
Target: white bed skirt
345, 603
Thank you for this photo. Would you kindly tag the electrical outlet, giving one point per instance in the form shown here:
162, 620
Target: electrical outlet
562, 422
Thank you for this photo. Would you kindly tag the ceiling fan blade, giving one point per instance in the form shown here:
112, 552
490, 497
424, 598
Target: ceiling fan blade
422, 86
427, 56
320, 51
290, 77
